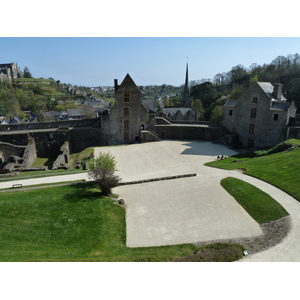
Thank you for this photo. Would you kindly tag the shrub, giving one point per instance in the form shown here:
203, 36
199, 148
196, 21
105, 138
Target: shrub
103, 173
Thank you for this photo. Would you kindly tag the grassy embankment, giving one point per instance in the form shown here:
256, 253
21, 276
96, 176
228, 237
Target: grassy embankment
279, 166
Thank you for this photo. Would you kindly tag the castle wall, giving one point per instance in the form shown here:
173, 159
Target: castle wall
81, 139
49, 125
7, 150
189, 132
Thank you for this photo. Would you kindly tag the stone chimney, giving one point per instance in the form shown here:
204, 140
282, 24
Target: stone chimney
116, 85
277, 91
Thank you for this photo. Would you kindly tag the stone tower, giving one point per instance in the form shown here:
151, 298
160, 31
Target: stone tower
186, 101
128, 116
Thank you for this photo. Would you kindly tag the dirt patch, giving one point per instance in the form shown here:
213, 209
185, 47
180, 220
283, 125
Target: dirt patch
273, 233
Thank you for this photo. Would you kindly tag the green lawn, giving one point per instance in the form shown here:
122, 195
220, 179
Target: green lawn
70, 223
280, 169
259, 205
75, 223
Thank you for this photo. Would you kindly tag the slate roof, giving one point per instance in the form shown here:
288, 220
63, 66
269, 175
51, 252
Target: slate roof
75, 112
268, 88
231, 103
280, 105
173, 110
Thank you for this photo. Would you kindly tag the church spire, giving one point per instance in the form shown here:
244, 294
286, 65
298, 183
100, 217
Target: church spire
186, 102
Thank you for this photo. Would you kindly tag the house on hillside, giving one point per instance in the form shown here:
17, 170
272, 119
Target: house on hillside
260, 116
124, 121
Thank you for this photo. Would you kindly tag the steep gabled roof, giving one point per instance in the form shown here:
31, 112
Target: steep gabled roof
268, 88
128, 81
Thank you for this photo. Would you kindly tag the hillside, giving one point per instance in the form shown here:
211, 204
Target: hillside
35, 96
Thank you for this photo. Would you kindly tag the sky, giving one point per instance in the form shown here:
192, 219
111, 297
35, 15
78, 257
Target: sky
97, 61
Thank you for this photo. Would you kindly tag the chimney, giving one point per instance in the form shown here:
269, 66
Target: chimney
277, 91
116, 85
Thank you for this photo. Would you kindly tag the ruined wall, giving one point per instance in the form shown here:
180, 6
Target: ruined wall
7, 150
63, 158
29, 155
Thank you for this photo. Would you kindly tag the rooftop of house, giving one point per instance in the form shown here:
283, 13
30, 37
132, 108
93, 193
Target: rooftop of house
268, 88
173, 110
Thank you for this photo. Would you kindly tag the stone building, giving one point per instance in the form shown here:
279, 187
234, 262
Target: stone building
124, 122
260, 116
9, 71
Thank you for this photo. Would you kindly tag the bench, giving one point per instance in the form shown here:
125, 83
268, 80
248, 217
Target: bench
19, 185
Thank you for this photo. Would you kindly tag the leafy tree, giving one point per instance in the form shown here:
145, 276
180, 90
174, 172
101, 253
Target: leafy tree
216, 112
206, 92
198, 107
26, 73
103, 172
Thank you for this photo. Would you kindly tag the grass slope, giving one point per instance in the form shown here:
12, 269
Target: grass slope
259, 205
280, 169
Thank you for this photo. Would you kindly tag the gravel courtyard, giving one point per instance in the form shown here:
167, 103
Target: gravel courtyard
185, 210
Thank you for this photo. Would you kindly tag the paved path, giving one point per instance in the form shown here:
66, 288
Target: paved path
191, 209
43, 180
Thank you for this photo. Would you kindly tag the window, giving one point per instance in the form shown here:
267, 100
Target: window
126, 97
230, 112
126, 135
250, 143
126, 124
253, 112
251, 128
275, 117
126, 111
254, 99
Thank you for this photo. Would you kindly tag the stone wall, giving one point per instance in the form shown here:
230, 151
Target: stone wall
63, 158
29, 155
49, 125
7, 150
81, 139
189, 132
